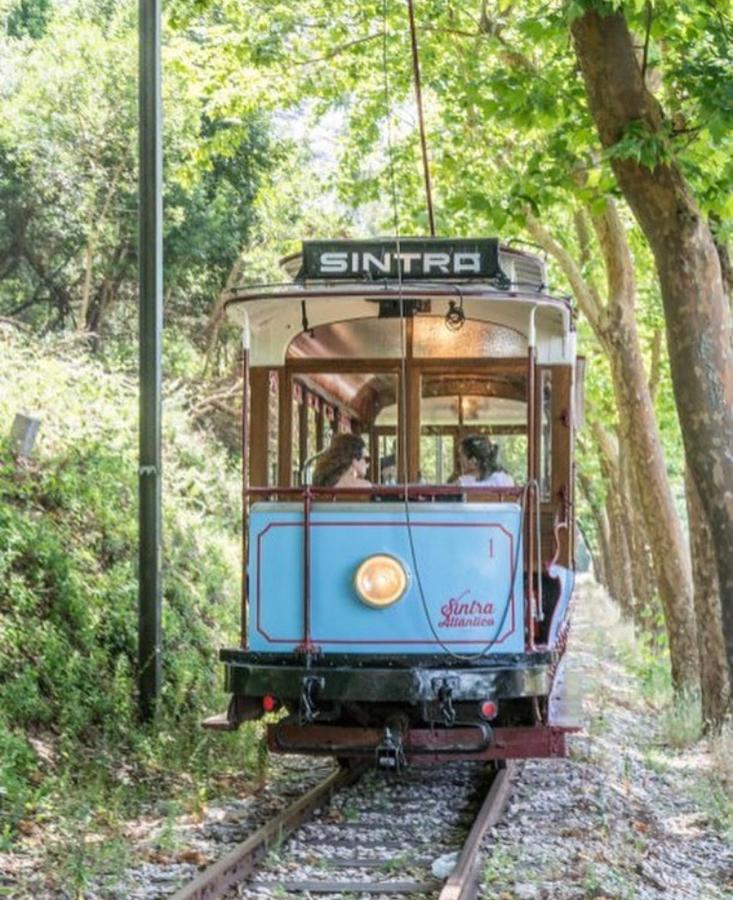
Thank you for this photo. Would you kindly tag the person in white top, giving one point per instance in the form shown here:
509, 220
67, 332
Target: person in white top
477, 458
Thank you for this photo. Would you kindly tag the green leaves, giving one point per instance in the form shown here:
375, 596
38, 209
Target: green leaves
68, 193
639, 142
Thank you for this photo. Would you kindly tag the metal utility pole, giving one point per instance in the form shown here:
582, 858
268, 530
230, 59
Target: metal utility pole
151, 322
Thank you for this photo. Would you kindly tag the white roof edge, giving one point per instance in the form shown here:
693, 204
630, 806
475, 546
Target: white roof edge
387, 290
274, 317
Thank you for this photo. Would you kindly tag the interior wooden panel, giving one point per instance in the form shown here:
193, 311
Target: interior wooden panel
561, 463
371, 364
259, 425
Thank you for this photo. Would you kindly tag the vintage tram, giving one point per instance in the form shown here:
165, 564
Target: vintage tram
412, 344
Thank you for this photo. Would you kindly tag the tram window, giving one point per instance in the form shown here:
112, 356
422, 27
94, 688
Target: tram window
359, 402
454, 406
314, 445
513, 454
272, 433
387, 443
328, 428
436, 457
306, 412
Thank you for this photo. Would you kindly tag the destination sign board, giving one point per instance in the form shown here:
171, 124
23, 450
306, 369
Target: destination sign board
409, 258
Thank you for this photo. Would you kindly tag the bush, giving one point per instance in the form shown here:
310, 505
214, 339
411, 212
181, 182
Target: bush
68, 589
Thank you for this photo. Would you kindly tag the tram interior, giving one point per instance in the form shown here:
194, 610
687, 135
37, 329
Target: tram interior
349, 376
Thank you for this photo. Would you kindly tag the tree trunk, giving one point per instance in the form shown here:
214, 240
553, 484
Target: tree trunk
642, 566
620, 556
638, 425
605, 575
670, 554
714, 682
593, 549
96, 221
216, 316
86, 290
604, 539
615, 326
697, 313
618, 519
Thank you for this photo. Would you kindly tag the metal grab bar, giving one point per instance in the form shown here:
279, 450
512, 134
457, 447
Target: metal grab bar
534, 561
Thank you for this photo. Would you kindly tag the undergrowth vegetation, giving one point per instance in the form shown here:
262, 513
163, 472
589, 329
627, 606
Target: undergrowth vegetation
69, 738
680, 725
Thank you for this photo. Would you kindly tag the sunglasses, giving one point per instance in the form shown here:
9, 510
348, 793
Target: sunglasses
365, 457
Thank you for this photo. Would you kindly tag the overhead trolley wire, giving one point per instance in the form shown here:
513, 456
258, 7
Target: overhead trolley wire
420, 117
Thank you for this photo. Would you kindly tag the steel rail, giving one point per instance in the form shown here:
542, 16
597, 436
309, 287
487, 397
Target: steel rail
241, 861
462, 884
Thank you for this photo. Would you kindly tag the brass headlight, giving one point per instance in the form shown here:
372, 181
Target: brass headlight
380, 580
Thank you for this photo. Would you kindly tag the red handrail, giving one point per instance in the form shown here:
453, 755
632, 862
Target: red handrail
413, 491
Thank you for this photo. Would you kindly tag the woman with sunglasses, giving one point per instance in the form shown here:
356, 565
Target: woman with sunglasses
344, 464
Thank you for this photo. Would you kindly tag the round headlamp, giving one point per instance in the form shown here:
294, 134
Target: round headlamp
380, 580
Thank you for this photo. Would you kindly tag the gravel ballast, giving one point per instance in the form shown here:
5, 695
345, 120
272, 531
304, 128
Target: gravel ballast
625, 816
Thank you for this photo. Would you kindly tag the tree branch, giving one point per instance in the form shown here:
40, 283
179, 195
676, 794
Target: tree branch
582, 232
647, 35
608, 447
616, 256
587, 298
457, 32
25, 305
229, 392
217, 314
342, 48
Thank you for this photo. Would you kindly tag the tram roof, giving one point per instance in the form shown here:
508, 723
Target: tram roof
274, 315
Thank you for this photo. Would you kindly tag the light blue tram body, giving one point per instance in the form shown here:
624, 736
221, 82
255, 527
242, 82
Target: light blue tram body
465, 578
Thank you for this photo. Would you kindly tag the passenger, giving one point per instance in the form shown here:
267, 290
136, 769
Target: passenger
477, 458
344, 464
388, 467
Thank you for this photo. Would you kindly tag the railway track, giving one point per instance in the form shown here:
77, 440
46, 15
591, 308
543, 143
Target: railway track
361, 833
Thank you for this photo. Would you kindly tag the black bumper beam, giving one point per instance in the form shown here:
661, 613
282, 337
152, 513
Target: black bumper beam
379, 685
